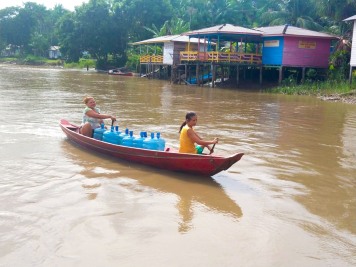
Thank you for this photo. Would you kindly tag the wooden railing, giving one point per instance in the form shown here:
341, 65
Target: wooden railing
151, 59
213, 56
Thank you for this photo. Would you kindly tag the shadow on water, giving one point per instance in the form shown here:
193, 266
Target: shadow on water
189, 189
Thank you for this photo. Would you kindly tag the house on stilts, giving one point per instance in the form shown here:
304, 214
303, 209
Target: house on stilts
236, 53
287, 46
160, 56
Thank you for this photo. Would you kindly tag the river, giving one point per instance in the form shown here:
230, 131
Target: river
290, 201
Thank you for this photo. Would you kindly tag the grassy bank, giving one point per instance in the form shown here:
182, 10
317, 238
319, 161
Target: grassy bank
41, 61
316, 88
32, 60
335, 91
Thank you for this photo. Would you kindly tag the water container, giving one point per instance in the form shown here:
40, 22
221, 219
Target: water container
111, 136
138, 141
128, 140
161, 142
150, 143
98, 132
117, 132
122, 135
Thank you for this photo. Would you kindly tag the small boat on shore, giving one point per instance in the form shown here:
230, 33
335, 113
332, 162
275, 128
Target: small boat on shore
206, 165
120, 71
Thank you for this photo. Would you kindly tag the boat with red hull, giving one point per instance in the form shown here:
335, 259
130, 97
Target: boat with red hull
206, 165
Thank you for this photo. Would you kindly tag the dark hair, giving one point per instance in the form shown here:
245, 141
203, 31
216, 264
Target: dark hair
188, 117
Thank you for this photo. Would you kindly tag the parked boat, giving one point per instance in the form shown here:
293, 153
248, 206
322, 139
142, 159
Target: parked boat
169, 160
120, 71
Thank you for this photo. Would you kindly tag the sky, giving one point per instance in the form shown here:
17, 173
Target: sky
67, 4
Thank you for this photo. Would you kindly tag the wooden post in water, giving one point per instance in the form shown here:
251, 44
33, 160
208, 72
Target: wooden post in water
222, 73
185, 73
189, 74
237, 75
172, 73
261, 75
212, 70
197, 74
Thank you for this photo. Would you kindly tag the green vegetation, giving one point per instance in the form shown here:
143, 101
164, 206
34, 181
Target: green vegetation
315, 88
32, 60
83, 63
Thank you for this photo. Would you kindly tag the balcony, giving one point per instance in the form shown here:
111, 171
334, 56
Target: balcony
151, 59
222, 57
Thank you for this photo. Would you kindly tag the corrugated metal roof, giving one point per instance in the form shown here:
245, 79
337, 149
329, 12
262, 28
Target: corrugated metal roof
224, 28
169, 38
350, 18
282, 30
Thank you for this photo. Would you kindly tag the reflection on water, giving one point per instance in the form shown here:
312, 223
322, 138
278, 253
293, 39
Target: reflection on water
63, 206
188, 189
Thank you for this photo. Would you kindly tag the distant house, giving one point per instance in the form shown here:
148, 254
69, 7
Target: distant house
353, 48
54, 52
10, 50
172, 46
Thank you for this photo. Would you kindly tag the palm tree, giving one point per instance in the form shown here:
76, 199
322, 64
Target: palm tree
298, 13
174, 26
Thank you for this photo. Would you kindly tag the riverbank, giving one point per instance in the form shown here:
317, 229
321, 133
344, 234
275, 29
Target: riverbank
349, 98
327, 91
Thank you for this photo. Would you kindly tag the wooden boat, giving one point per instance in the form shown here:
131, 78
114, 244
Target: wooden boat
121, 72
169, 160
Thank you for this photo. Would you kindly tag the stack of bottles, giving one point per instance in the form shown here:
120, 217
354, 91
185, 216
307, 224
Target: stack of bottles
127, 138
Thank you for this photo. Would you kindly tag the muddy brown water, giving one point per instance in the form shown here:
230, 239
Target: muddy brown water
290, 201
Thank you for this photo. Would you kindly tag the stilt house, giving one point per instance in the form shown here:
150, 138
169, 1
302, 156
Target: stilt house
289, 46
161, 60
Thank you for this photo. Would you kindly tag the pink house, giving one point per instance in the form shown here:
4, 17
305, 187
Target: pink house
289, 46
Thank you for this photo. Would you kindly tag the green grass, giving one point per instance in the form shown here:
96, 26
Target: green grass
315, 88
32, 60
83, 63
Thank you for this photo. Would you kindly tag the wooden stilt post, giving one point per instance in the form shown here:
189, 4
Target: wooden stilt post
172, 73
197, 74
222, 74
350, 76
212, 69
280, 78
189, 74
185, 73
261, 74
303, 75
237, 75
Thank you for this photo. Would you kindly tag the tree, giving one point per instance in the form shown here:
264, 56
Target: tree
139, 14
298, 13
175, 26
68, 38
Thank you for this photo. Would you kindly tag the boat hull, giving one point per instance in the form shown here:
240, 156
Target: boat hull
179, 162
